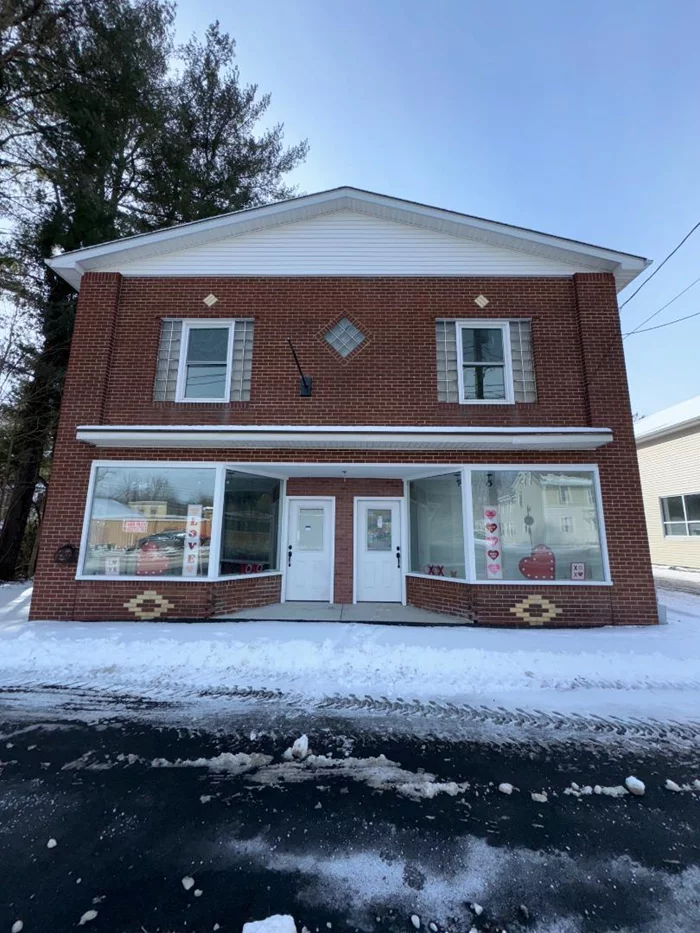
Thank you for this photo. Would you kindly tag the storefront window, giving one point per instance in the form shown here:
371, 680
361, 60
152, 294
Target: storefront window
250, 524
536, 525
150, 521
437, 526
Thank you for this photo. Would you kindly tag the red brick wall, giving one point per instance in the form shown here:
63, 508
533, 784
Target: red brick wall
581, 381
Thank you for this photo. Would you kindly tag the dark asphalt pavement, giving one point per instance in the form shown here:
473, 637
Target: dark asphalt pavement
338, 847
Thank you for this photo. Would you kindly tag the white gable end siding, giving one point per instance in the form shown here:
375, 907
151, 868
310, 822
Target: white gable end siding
345, 243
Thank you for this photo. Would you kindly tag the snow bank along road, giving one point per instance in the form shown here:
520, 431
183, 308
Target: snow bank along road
641, 681
124, 826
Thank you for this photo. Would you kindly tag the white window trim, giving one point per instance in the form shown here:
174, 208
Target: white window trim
504, 327
469, 537
213, 572
197, 324
252, 468
685, 521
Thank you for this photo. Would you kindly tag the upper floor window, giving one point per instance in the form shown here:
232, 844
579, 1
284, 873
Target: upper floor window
204, 360
205, 363
484, 362
681, 515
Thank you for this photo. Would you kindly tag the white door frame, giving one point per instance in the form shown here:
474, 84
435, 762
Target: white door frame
285, 539
403, 537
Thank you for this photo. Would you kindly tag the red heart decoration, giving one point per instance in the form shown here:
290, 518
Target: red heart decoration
492, 527
490, 513
493, 554
540, 565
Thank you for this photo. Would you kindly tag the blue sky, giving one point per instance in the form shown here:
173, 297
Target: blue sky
578, 119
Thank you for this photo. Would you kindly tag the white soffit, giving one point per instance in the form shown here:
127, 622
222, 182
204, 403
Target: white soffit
335, 437
169, 252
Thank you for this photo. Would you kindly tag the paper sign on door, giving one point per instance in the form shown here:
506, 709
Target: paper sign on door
193, 540
492, 527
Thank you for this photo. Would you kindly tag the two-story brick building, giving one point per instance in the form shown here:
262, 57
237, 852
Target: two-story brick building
461, 439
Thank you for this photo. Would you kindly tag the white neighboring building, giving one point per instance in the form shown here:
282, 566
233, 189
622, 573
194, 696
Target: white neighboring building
668, 448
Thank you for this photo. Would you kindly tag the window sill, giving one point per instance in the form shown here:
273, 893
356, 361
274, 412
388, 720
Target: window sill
431, 576
162, 578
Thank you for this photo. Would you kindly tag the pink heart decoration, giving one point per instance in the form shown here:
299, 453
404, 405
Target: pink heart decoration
493, 554
492, 527
490, 513
492, 540
493, 568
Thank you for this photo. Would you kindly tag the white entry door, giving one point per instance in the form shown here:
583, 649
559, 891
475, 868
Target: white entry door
309, 550
378, 557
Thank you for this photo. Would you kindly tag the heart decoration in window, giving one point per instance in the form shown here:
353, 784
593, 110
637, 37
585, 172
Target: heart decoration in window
540, 565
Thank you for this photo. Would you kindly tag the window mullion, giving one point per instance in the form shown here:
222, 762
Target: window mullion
468, 523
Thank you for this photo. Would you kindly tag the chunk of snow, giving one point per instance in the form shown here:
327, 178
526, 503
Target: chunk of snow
198, 892
433, 927
278, 923
204, 798
51, 844
540, 798
415, 920
17, 926
505, 788
617, 791
187, 882
635, 786
87, 917
299, 749
671, 785
478, 909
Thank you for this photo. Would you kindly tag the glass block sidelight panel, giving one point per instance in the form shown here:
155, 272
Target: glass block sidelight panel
167, 361
446, 350
524, 388
242, 365
344, 337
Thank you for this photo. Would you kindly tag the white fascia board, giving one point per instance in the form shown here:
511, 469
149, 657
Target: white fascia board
343, 438
665, 430
625, 266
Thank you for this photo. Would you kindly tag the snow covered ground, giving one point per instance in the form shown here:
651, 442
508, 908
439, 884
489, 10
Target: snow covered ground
644, 672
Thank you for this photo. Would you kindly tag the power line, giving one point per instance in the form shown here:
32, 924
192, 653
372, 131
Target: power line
667, 324
662, 308
660, 267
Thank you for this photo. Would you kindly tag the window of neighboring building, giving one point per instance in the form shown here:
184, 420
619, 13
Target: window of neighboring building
539, 544
437, 526
681, 515
249, 540
169, 535
564, 495
205, 362
484, 362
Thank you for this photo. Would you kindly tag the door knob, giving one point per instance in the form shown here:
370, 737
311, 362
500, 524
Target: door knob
398, 557
289, 555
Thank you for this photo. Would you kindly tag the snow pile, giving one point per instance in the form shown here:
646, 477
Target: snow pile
225, 762
619, 672
635, 786
278, 923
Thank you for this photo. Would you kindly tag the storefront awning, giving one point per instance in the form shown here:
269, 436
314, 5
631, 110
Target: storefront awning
343, 437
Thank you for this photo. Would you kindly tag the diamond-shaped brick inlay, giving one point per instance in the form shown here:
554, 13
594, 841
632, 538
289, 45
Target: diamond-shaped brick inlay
210, 301
149, 605
544, 610
481, 300
344, 337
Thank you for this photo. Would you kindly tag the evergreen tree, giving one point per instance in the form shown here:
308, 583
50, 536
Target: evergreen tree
106, 142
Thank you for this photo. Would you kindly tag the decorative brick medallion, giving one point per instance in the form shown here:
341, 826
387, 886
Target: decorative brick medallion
545, 610
481, 300
210, 301
149, 605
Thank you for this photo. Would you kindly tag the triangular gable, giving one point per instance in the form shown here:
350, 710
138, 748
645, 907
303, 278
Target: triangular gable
350, 232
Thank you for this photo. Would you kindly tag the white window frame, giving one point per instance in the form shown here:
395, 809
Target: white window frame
566, 524
213, 572
469, 537
504, 327
685, 521
198, 324
273, 471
